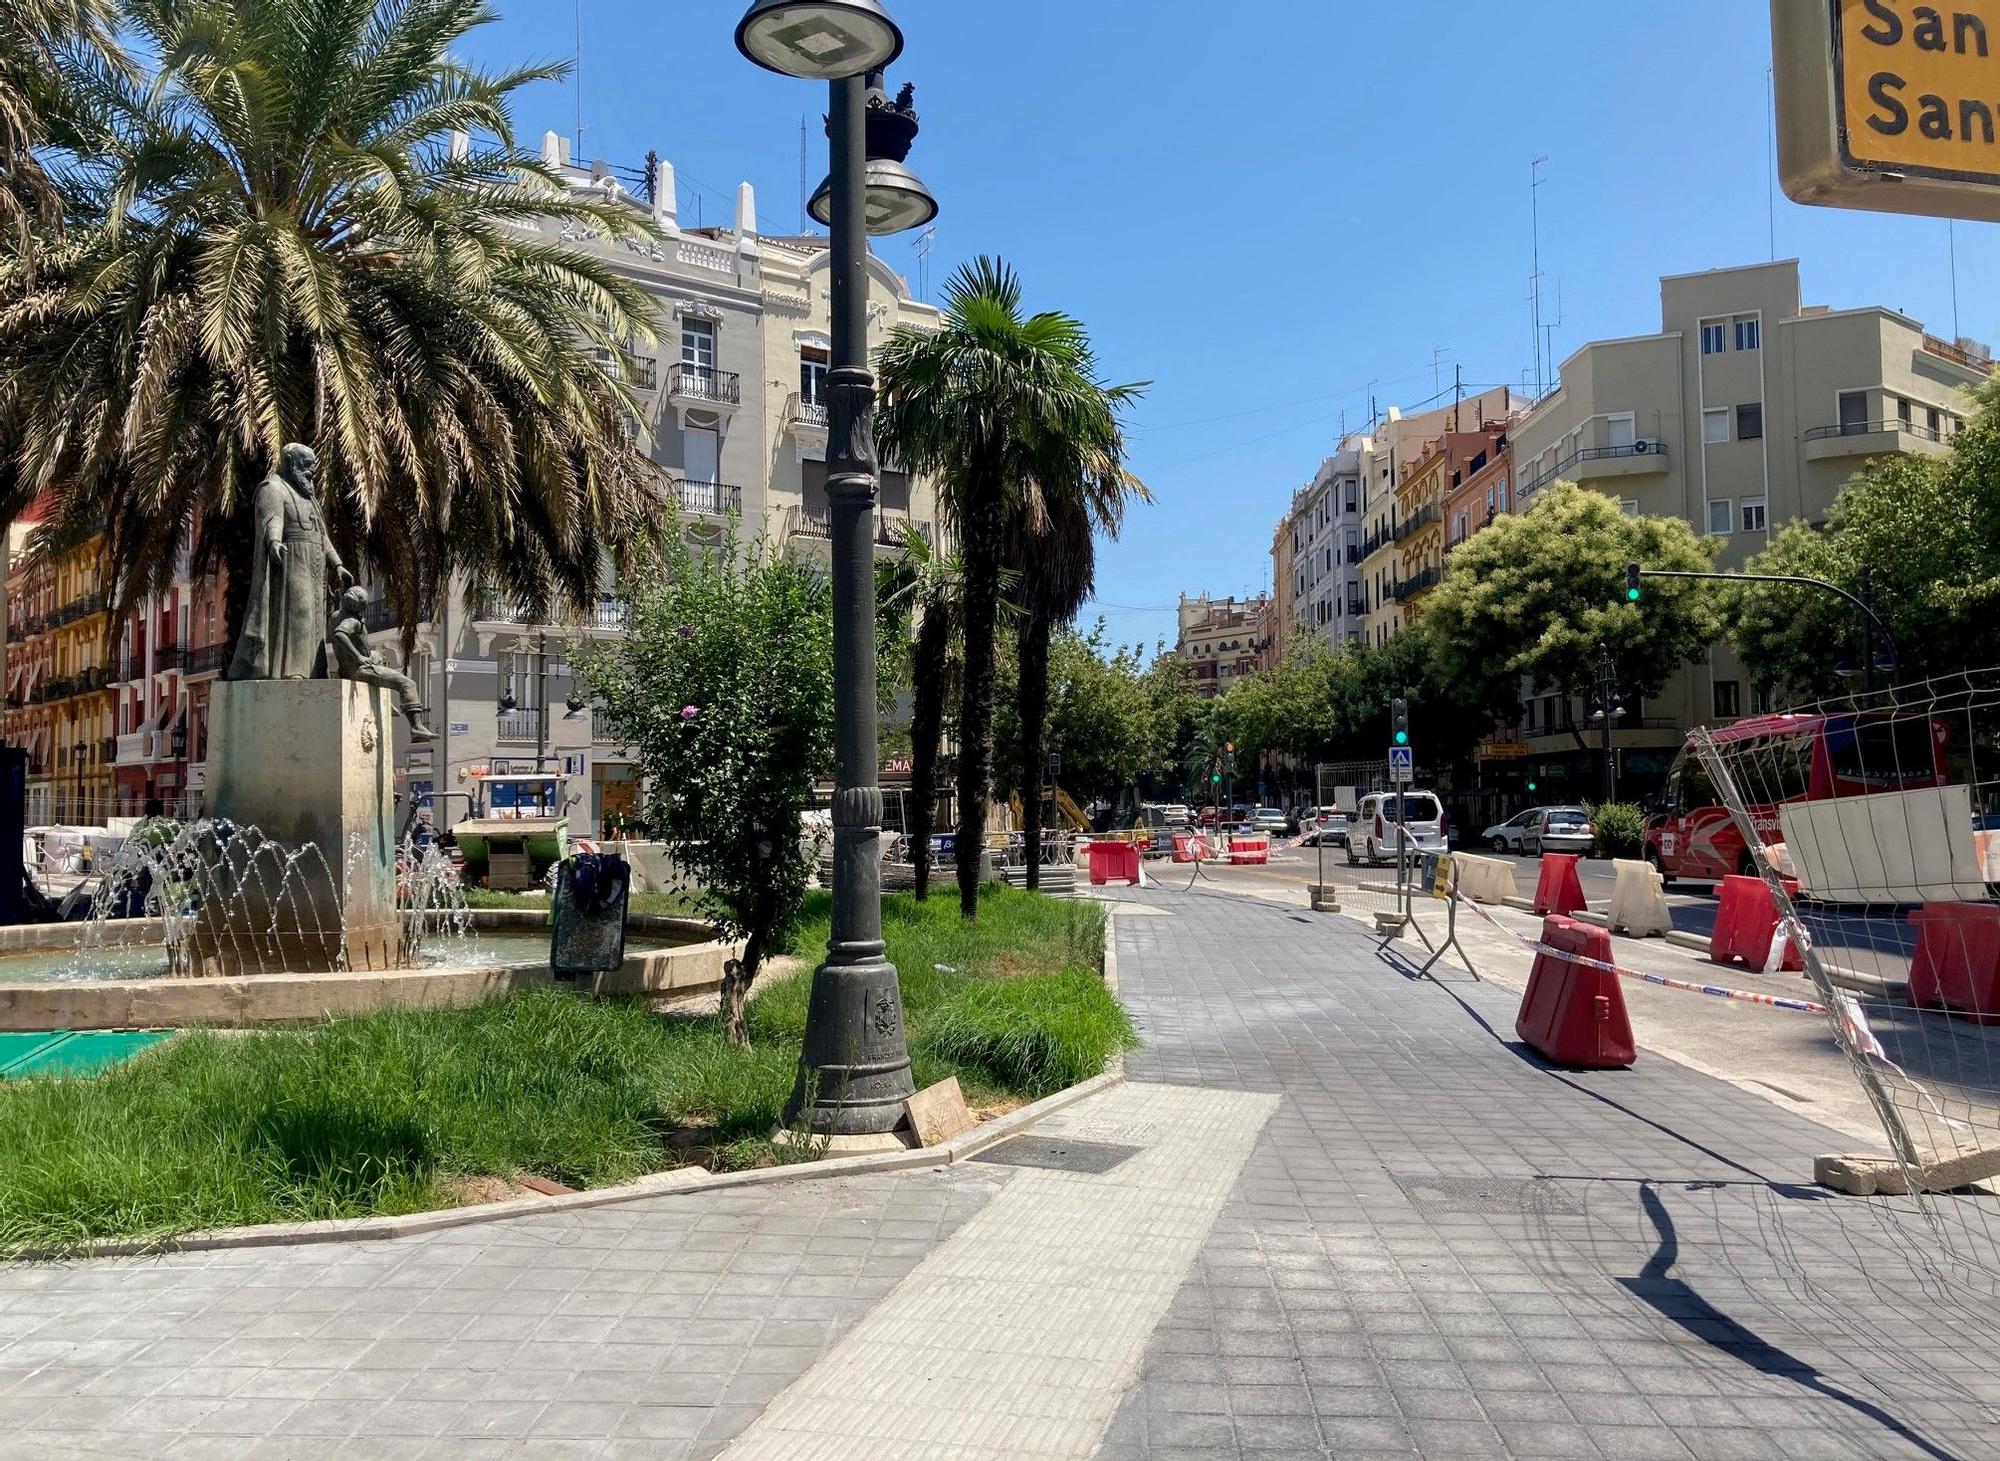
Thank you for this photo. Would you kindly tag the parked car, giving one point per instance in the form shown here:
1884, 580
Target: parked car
1376, 836
1269, 820
1325, 827
1559, 829
1177, 814
1506, 836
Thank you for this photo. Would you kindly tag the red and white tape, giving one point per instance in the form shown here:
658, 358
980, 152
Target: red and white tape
1713, 991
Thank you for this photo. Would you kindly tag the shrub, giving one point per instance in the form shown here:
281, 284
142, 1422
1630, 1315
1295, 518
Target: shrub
1621, 829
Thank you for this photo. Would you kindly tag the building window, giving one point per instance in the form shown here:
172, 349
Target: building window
1936, 422
698, 348
1753, 515
1720, 514
1853, 413
1728, 699
1747, 334
1715, 425
1712, 340
1630, 507
1903, 412
1750, 422
812, 377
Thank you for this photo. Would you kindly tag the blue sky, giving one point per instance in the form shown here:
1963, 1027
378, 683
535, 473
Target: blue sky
1262, 208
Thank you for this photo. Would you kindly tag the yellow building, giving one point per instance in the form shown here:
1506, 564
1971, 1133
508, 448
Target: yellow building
1419, 531
60, 704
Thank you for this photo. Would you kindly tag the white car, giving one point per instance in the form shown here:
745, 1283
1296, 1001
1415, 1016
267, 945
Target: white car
1378, 833
1512, 834
1559, 829
1326, 827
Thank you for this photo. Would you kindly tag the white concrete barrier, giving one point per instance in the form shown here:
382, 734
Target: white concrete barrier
1485, 879
1639, 901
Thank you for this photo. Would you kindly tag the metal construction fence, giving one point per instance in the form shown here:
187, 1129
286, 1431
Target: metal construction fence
1871, 825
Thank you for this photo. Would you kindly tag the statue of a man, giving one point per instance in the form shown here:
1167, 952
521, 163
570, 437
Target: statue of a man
356, 659
284, 626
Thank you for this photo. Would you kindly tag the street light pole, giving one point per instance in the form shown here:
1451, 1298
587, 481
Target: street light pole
854, 1069
1608, 711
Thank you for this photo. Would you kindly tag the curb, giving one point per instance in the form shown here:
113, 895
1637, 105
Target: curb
682, 1181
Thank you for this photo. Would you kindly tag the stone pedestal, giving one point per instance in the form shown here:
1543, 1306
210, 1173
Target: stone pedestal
303, 876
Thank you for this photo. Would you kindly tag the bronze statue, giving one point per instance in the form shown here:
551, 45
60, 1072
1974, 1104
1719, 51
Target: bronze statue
284, 627
357, 661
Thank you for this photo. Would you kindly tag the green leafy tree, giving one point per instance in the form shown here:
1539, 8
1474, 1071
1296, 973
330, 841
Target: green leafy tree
926, 585
999, 408
1099, 719
43, 45
1924, 529
722, 687
1534, 595
310, 221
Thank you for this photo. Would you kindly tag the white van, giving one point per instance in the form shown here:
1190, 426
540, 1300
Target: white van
1373, 837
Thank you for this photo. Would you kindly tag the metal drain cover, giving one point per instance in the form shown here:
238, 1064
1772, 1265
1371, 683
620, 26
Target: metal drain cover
1487, 1196
1056, 1154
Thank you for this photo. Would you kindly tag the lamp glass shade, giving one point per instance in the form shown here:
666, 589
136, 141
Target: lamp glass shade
819, 40
897, 200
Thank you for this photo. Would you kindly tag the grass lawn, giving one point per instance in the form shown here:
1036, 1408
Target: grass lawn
397, 1112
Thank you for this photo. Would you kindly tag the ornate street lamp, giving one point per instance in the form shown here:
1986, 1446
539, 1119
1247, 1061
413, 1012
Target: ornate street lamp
854, 1072
819, 40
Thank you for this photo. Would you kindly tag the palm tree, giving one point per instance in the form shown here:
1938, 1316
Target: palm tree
1004, 411
311, 222
41, 42
928, 583
1056, 561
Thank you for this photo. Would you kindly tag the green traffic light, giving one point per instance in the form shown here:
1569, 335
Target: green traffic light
1532, 786
1216, 779
1402, 738
1631, 595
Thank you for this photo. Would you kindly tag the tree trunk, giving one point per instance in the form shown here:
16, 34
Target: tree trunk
737, 977
933, 654
1033, 703
984, 529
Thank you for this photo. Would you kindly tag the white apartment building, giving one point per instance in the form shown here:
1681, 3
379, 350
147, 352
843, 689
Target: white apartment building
1316, 556
1747, 410
734, 416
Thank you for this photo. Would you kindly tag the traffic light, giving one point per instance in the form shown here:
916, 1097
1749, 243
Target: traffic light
1533, 787
1633, 593
1399, 721
1215, 778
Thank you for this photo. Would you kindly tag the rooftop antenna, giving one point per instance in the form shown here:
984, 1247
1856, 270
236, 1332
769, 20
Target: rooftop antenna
1437, 369
1535, 279
1549, 328
926, 241
579, 81
805, 222
1951, 233
1771, 154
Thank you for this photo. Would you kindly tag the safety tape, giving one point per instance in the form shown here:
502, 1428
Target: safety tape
1714, 991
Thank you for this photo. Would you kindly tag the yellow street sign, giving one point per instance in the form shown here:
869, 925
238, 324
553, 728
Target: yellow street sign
1889, 105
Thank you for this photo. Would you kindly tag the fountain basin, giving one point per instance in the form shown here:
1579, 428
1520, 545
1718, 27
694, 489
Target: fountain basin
674, 956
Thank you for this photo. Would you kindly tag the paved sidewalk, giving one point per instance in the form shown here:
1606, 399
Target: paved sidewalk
1442, 1247
1342, 1215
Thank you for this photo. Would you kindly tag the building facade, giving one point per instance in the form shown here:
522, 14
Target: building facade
59, 704
1747, 410
1315, 556
1223, 640
733, 415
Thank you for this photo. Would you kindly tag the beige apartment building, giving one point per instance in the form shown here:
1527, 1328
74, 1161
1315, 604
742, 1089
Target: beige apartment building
1223, 640
1748, 410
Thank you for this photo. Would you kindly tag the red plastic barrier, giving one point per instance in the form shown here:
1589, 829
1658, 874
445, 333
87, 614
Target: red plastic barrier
1559, 890
1746, 922
1574, 1014
1957, 963
1249, 851
1114, 862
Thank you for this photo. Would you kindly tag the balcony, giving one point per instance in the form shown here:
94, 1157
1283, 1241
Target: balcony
707, 499
1944, 350
1416, 586
1597, 463
890, 531
209, 659
524, 726
646, 373
381, 616
107, 750
705, 385
809, 415
169, 656
1894, 437
1426, 516
135, 748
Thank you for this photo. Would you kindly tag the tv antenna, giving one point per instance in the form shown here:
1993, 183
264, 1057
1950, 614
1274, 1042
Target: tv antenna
926, 241
1535, 278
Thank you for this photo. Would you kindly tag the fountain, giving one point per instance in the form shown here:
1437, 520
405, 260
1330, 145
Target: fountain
294, 899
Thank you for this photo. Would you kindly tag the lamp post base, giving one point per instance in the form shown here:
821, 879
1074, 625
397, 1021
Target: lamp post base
854, 1073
